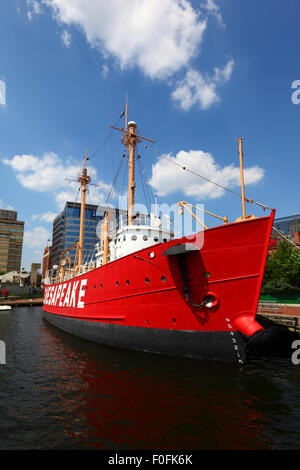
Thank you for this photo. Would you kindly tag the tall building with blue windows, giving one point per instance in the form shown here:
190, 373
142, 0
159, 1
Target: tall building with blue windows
288, 225
66, 231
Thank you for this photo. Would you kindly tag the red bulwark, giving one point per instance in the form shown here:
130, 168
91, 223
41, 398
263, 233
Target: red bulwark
213, 289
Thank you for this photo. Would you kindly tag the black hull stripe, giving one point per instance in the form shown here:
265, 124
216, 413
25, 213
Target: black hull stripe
195, 344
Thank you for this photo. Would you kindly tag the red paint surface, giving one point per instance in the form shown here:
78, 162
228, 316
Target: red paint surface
148, 292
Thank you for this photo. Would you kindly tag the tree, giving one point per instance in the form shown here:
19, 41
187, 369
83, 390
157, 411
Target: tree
282, 271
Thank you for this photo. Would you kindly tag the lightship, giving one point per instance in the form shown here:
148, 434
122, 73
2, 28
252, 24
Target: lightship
194, 296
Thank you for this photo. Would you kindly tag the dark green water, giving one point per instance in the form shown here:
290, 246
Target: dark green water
61, 392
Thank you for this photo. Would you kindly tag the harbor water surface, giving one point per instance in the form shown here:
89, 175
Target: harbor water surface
62, 392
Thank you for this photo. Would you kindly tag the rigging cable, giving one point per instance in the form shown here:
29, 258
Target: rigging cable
112, 189
252, 201
106, 138
286, 238
145, 178
109, 197
124, 177
150, 193
143, 185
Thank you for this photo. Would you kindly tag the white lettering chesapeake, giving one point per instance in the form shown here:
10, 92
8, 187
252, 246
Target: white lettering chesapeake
72, 301
46, 294
58, 294
51, 295
81, 293
67, 296
62, 294
54, 292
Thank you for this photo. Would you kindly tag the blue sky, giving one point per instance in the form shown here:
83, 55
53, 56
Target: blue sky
197, 74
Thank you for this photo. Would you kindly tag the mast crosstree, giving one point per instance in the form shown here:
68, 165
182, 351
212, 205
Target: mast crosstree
130, 139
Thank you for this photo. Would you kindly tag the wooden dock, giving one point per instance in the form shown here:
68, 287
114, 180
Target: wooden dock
287, 315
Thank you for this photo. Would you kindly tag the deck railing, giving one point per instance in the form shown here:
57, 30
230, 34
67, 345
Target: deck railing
142, 220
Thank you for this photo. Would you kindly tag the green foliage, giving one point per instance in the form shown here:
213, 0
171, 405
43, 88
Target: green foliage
282, 271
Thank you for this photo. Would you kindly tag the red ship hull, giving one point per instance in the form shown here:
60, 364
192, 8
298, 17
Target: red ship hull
158, 302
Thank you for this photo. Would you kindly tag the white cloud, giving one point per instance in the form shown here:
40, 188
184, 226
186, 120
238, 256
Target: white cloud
66, 38
3, 205
104, 71
213, 9
47, 217
2, 93
33, 8
49, 174
34, 244
168, 178
43, 174
158, 36
37, 238
223, 75
197, 89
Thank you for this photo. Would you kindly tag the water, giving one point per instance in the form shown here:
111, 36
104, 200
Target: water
61, 392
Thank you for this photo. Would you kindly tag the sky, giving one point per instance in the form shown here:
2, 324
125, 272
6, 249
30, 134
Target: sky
197, 74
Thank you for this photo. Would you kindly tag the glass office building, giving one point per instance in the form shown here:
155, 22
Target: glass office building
288, 225
66, 231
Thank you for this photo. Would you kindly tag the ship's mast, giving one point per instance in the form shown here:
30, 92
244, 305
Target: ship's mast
240, 141
130, 142
105, 239
84, 180
130, 139
131, 182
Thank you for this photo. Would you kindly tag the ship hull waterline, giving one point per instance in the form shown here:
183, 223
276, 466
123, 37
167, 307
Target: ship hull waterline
191, 344
153, 300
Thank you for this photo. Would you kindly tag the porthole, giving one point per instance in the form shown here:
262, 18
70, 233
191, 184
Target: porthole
165, 240
117, 283
151, 254
124, 238
134, 237
127, 282
163, 278
155, 239
147, 280
145, 237
206, 274
101, 285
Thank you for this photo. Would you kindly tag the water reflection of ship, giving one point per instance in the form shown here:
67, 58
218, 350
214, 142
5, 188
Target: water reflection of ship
151, 292
145, 401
